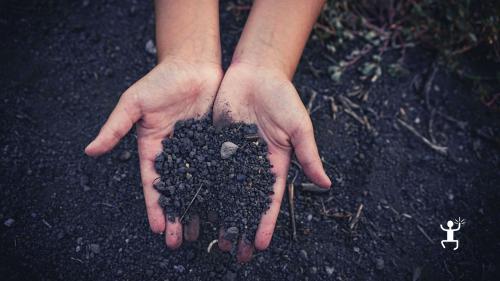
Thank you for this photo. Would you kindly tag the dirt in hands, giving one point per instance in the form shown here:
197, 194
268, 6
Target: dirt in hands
222, 174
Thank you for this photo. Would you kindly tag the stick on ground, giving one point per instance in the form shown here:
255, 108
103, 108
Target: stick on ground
191, 203
355, 220
291, 200
440, 149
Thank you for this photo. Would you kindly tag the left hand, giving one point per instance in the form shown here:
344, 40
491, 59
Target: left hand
267, 98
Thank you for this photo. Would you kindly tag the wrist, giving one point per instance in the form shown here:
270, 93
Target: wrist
268, 61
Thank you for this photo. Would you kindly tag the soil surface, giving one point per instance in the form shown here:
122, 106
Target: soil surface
219, 173
65, 216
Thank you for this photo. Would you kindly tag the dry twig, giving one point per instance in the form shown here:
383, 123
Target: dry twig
191, 203
291, 200
355, 220
311, 101
440, 149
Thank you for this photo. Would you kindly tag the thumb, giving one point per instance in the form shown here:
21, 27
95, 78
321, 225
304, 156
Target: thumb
121, 120
307, 153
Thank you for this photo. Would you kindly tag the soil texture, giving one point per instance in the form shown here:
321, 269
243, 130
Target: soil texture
221, 174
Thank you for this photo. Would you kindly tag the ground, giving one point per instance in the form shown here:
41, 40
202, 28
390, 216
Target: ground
65, 216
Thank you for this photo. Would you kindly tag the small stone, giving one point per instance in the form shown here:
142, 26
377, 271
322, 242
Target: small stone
241, 178
232, 233
150, 47
149, 272
303, 254
179, 268
95, 248
230, 276
379, 263
314, 270
9, 222
329, 270
125, 155
228, 149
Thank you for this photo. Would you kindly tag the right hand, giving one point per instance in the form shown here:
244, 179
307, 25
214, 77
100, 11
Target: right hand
174, 90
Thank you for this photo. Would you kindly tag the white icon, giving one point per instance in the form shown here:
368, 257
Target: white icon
450, 231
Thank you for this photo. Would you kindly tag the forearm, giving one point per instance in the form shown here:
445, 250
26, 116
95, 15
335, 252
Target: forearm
188, 30
276, 32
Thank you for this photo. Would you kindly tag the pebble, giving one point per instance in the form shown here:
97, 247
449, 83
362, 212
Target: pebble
95, 248
125, 155
379, 263
228, 149
303, 254
232, 233
329, 270
9, 222
179, 268
230, 276
150, 47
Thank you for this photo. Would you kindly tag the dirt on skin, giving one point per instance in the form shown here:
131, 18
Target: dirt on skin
222, 174
65, 216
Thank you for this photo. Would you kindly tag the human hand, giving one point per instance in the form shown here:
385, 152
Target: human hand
174, 90
266, 97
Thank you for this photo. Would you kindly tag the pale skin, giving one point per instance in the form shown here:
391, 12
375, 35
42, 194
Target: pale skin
188, 82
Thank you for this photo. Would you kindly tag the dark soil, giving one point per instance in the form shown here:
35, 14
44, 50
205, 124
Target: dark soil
218, 173
65, 216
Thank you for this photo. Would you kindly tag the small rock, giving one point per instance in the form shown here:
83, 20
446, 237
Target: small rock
125, 155
329, 270
314, 270
303, 254
379, 263
230, 276
228, 149
95, 248
150, 47
149, 272
9, 222
179, 268
241, 178
232, 233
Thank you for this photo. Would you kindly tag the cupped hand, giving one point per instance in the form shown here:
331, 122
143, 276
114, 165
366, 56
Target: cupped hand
266, 97
172, 91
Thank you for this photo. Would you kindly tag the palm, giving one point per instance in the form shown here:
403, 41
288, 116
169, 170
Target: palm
271, 102
168, 93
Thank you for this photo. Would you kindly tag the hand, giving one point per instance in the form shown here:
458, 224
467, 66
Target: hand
172, 91
266, 97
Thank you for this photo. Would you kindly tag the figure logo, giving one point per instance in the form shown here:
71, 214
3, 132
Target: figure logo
450, 231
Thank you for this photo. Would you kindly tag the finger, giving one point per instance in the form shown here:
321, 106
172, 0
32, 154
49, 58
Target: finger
121, 120
245, 250
224, 244
192, 229
147, 153
280, 161
173, 234
307, 153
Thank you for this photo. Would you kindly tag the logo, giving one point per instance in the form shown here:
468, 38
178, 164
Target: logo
450, 232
